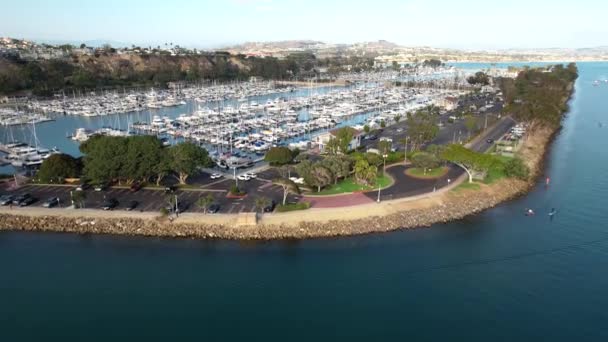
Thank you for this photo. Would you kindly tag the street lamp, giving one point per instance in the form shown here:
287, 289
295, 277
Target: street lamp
383, 172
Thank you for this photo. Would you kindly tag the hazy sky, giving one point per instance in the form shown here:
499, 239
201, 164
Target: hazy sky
441, 23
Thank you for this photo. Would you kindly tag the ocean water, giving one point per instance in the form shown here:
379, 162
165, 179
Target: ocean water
498, 276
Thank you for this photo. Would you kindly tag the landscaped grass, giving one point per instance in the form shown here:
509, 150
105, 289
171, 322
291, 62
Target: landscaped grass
349, 185
433, 173
467, 186
292, 206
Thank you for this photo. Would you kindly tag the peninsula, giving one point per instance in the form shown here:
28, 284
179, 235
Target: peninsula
431, 151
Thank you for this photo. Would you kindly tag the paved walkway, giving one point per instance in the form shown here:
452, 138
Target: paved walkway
338, 201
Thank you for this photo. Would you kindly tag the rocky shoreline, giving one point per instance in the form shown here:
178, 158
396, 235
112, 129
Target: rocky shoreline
452, 206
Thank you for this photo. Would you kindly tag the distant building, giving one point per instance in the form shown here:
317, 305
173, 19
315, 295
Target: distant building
449, 103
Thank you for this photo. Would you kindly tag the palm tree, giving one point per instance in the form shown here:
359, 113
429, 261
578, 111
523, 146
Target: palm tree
288, 186
261, 203
78, 198
205, 202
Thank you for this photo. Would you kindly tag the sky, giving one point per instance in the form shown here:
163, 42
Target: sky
464, 24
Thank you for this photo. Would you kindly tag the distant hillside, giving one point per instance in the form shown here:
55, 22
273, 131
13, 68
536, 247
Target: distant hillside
43, 77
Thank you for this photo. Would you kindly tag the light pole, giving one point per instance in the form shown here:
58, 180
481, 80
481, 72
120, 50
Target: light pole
485, 126
236, 180
405, 154
383, 172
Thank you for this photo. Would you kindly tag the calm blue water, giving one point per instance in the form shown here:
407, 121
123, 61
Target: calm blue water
54, 133
499, 276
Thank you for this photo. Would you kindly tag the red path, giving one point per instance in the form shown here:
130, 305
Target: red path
338, 201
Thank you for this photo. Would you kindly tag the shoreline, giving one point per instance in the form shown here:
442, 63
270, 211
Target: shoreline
420, 211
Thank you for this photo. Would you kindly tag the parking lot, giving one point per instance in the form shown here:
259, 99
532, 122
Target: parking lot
449, 132
152, 200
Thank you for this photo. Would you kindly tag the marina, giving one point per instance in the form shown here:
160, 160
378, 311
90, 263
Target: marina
236, 122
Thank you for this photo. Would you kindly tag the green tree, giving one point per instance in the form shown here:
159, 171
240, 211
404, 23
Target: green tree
366, 129
422, 128
365, 173
277, 156
186, 158
480, 78
382, 124
385, 146
470, 161
516, 168
163, 168
261, 203
104, 158
332, 147
288, 186
57, 167
344, 137
204, 202
425, 161
319, 177
78, 198
143, 155
338, 165
397, 118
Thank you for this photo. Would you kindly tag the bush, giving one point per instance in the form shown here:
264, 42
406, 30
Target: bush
293, 206
515, 168
234, 190
279, 156
164, 211
394, 157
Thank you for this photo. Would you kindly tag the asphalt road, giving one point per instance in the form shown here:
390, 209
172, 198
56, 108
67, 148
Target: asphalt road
406, 186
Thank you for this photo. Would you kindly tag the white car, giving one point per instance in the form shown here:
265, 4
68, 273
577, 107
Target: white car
243, 177
216, 176
252, 174
399, 130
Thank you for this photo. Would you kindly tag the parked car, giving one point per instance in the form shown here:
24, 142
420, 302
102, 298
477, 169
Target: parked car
399, 130
27, 201
490, 141
6, 199
270, 207
213, 208
51, 202
132, 205
21, 198
243, 177
83, 186
135, 187
372, 137
100, 187
170, 189
216, 175
252, 175
109, 204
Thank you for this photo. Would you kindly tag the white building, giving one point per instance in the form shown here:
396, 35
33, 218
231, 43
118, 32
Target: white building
322, 139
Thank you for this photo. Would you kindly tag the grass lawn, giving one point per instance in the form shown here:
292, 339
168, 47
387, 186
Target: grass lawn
467, 186
433, 173
349, 185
